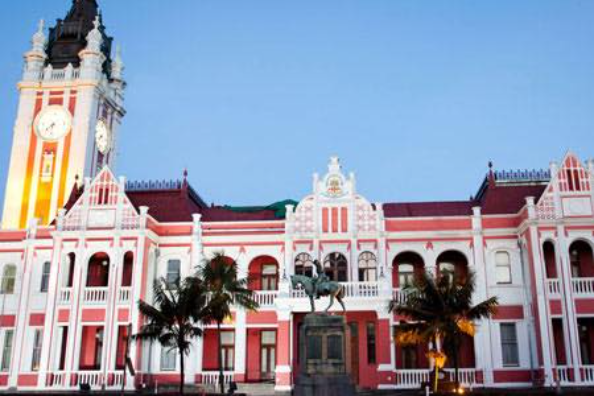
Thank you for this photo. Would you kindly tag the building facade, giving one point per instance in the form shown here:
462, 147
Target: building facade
77, 253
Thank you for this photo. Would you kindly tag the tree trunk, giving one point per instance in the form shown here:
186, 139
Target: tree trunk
220, 358
181, 373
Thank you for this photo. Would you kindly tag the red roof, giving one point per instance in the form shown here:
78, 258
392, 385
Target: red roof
419, 209
494, 199
509, 199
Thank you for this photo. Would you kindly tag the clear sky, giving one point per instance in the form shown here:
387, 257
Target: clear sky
414, 96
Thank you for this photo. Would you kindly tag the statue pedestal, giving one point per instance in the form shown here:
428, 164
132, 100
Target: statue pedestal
323, 358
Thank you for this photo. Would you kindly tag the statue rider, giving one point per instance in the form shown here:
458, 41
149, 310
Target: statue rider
319, 279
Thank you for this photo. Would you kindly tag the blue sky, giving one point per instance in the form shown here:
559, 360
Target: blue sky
414, 96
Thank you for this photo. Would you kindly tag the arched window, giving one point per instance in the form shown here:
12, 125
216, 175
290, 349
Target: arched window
406, 266
453, 264
70, 269
45, 276
581, 259
98, 270
304, 265
406, 275
367, 267
127, 269
335, 267
503, 268
8, 279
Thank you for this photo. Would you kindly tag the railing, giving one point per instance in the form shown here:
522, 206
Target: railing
212, 377
57, 380
351, 289
583, 285
399, 296
361, 289
93, 378
124, 294
265, 298
412, 379
588, 374
553, 286
65, 296
466, 376
115, 379
95, 295
563, 374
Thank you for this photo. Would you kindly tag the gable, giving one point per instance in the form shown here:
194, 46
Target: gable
103, 205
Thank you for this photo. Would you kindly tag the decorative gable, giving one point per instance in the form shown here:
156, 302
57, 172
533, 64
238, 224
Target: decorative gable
569, 193
102, 205
334, 207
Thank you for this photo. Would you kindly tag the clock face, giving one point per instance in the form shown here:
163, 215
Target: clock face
102, 137
53, 123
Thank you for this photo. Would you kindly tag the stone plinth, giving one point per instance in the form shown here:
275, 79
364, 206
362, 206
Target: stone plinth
323, 358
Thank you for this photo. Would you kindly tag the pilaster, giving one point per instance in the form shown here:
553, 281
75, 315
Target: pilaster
483, 337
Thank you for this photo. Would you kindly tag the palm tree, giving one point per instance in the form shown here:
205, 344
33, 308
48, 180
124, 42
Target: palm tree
439, 310
225, 289
174, 319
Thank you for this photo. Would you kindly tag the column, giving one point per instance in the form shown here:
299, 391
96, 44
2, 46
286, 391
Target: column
55, 284
284, 344
542, 324
562, 253
483, 355
385, 350
21, 324
240, 345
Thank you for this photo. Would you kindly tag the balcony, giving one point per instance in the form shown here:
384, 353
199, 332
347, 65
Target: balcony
211, 378
415, 378
553, 287
65, 296
124, 295
95, 379
95, 295
583, 287
351, 290
265, 298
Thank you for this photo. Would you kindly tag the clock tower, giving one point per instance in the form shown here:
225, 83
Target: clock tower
69, 112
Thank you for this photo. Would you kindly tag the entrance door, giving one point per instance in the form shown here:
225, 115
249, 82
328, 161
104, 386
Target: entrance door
354, 346
267, 354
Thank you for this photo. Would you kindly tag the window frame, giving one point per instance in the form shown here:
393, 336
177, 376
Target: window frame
365, 268
6, 360
45, 277
303, 264
509, 343
8, 279
168, 355
507, 267
171, 282
336, 266
37, 348
371, 342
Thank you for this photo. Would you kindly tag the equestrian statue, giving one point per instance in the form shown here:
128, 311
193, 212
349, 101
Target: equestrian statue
318, 286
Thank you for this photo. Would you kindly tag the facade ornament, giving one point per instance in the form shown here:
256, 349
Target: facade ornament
117, 67
95, 38
39, 40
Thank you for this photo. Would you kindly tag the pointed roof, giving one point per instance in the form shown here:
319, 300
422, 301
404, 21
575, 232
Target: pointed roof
69, 36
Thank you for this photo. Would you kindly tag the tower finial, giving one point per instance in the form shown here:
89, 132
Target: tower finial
491, 176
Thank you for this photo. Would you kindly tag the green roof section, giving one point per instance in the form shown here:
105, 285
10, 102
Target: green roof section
279, 208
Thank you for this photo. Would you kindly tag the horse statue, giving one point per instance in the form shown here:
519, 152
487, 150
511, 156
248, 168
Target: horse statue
319, 286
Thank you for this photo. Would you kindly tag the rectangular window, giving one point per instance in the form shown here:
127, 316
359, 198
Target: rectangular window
503, 268
37, 343
228, 350
45, 276
8, 279
371, 341
173, 272
267, 354
168, 358
7, 350
509, 345
269, 277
